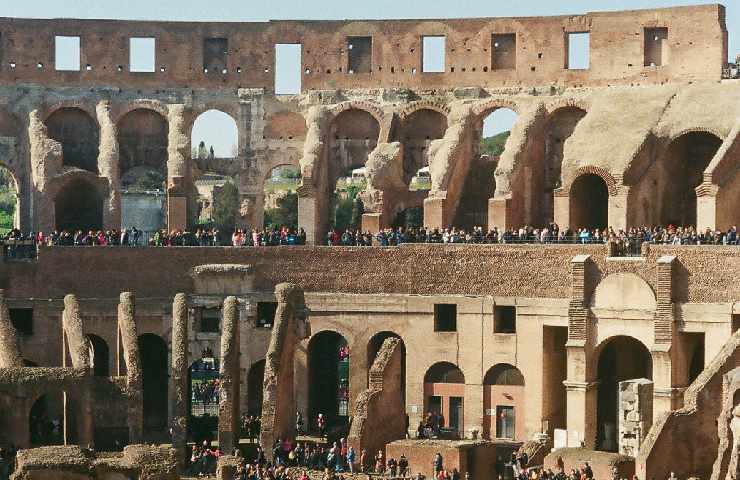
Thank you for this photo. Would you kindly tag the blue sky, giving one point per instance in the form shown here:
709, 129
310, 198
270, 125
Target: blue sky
214, 130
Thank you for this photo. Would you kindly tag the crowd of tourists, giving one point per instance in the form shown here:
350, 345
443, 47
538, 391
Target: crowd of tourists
206, 392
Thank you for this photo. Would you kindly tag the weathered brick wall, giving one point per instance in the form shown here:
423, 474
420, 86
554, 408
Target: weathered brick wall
705, 274
617, 46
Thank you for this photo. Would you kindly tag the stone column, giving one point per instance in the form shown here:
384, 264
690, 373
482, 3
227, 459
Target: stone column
134, 379
309, 214
435, 211
178, 171
498, 213
228, 406
473, 411
635, 407
561, 208
108, 165
618, 206
706, 206
180, 368
10, 352
581, 392
46, 161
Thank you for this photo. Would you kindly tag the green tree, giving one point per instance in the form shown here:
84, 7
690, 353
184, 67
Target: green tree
357, 210
226, 208
150, 180
494, 145
285, 214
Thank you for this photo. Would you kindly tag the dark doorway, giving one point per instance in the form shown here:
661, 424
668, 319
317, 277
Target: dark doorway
78, 206
154, 365
328, 358
589, 202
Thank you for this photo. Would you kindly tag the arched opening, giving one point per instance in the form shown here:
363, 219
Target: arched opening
504, 402
328, 380
78, 206
204, 386
281, 199
444, 391
46, 420
353, 135
373, 347
560, 126
9, 199
79, 135
589, 202
416, 133
684, 164
154, 366
255, 387
215, 134
493, 129
142, 145
100, 356
620, 358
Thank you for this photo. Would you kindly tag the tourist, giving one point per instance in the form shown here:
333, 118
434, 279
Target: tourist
437, 463
351, 459
379, 463
403, 465
321, 424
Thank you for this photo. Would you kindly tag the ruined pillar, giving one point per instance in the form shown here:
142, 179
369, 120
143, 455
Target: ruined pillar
499, 214
706, 206
134, 380
178, 152
76, 344
635, 407
309, 214
228, 406
580, 387
180, 372
46, 161
379, 413
435, 211
10, 351
279, 405
313, 192
618, 206
108, 165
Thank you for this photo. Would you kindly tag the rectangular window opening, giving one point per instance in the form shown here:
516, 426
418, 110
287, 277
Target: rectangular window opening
288, 68
445, 317
210, 320
67, 53
433, 54
656, 46
577, 55
360, 54
266, 314
503, 51
215, 53
505, 422
142, 55
504, 319
22, 320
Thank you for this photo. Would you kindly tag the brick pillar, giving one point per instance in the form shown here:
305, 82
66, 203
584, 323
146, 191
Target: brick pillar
561, 208
666, 346
309, 214
618, 207
498, 213
228, 405
108, 165
580, 388
473, 410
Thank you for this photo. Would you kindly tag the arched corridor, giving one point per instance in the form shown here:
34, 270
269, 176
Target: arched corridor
504, 403
78, 206
328, 377
589, 202
100, 356
142, 144
255, 382
444, 393
620, 358
79, 135
416, 133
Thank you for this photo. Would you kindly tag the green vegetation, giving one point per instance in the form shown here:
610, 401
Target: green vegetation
494, 145
285, 214
7, 201
348, 207
150, 180
226, 208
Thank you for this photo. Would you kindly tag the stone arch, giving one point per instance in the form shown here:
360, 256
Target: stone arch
328, 378
78, 203
567, 103
482, 109
608, 178
79, 135
617, 359
444, 391
143, 142
255, 383
100, 355
623, 291
121, 110
504, 402
366, 106
227, 121
681, 169
416, 131
589, 201
49, 421
436, 105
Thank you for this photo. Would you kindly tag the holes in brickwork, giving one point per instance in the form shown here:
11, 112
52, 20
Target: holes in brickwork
67, 53
577, 54
360, 52
433, 54
142, 55
656, 47
288, 68
503, 51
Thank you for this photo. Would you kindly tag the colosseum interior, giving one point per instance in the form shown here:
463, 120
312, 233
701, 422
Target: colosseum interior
563, 350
